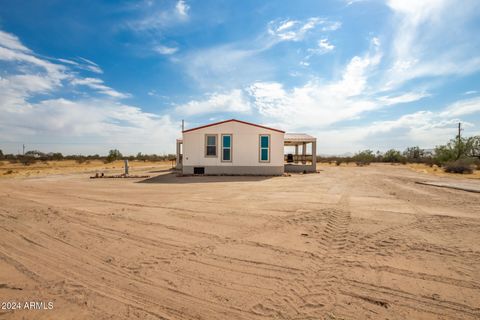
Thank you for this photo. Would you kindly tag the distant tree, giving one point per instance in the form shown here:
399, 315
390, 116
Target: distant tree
393, 155
459, 155
57, 156
113, 155
1, 155
414, 154
35, 153
364, 157
456, 149
445, 153
473, 147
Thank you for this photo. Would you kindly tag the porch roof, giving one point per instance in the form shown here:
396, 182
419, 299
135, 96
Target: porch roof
292, 139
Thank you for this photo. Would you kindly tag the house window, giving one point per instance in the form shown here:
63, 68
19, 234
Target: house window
265, 148
226, 147
211, 145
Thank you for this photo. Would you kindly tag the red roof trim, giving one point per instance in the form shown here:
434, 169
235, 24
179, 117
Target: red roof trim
235, 120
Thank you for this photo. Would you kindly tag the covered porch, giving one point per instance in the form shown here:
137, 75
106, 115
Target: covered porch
302, 152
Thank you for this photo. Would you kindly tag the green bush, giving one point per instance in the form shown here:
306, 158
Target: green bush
393, 155
113, 155
364, 157
414, 154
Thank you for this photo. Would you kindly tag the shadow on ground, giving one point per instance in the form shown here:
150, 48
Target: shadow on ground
172, 178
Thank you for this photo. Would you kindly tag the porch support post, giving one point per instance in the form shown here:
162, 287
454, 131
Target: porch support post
304, 153
314, 155
296, 154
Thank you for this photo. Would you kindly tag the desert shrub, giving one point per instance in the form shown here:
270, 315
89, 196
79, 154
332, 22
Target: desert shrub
393, 155
338, 162
26, 160
81, 160
113, 155
445, 153
9, 172
414, 154
458, 148
56, 156
459, 166
364, 157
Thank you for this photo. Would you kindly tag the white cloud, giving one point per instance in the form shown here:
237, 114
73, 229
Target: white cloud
83, 64
423, 128
462, 107
157, 17
12, 42
318, 104
30, 114
470, 92
237, 64
233, 101
403, 98
294, 30
165, 50
323, 46
88, 126
98, 85
182, 8
351, 2
431, 38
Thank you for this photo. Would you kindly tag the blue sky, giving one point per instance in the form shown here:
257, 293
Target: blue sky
87, 77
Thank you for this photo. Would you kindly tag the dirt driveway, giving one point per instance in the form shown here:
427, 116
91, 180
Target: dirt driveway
347, 243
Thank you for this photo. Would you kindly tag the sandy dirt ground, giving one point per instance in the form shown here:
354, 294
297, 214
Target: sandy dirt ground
346, 243
41, 168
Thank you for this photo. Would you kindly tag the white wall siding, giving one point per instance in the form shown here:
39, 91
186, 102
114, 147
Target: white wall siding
245, 146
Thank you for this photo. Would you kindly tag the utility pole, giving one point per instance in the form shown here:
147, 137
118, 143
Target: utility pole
24, 149
460, 147
459, 131
183, 125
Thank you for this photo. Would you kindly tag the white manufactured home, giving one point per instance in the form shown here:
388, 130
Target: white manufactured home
235, 147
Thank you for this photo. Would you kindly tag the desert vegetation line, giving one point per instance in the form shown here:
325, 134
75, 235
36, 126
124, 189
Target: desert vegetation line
459, 155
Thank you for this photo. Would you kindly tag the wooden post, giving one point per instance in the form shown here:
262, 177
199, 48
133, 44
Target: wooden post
304, 153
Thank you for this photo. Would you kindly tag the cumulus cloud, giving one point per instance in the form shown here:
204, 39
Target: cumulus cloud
318, 104
421, 128
90, 124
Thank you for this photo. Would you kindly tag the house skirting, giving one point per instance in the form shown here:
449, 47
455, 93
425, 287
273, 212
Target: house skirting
298, 168
237, 170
